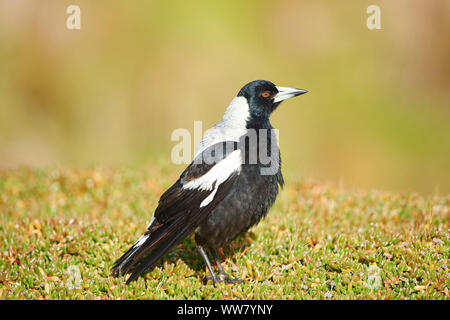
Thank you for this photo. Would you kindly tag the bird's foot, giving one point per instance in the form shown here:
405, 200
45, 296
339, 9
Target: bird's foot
227, 278
221, 277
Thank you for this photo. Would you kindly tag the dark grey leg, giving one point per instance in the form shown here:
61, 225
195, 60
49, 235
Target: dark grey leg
213, 276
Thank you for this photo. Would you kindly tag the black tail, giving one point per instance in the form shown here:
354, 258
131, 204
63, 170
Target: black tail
155, 242
161, 249
179, 212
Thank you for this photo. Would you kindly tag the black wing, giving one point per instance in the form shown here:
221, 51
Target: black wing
183, 207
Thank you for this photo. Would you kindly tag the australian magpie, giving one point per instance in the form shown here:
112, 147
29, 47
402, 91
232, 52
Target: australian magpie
229, 186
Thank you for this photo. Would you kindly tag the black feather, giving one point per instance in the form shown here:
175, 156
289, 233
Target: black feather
178, 214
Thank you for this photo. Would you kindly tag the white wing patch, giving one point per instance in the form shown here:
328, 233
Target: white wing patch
141, 240
218, 174
151, 222
209, 198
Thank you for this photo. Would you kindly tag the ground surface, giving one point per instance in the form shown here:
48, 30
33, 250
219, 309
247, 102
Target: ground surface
61, 230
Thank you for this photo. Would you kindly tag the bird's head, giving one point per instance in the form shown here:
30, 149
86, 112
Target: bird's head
263, 97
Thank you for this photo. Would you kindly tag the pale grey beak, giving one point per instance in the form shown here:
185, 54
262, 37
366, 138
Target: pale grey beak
286, 93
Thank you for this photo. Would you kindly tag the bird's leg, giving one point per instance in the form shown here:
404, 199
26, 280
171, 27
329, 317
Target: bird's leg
222, 274
213, 276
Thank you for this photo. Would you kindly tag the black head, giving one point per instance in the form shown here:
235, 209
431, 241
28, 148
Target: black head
263, 97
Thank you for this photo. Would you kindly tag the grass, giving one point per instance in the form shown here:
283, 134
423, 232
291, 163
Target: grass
61, 230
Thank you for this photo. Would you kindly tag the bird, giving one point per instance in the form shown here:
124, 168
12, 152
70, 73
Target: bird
230, 185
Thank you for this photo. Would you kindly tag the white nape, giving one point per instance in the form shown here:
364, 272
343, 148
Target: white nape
232, 126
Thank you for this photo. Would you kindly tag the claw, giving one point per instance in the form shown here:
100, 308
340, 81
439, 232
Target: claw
222, 277
225, 277
215, 279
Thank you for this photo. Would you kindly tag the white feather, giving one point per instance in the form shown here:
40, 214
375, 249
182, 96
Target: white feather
151, 221
209, 198
141, 240
218, 173
232, 126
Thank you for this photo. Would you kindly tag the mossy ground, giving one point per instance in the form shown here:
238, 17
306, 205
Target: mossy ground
62, 229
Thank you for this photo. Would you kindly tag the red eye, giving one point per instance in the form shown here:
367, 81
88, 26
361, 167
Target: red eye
266, 94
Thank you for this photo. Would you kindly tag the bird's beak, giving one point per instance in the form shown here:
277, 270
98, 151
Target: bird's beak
286, 93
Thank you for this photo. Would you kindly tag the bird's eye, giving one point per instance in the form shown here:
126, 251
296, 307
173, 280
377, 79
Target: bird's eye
266, 94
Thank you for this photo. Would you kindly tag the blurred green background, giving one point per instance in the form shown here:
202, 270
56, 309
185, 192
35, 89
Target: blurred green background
377, 115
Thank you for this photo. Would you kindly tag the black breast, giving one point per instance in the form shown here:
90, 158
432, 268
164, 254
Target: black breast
249, 200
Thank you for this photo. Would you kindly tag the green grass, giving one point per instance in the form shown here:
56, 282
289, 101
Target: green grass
319, 241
